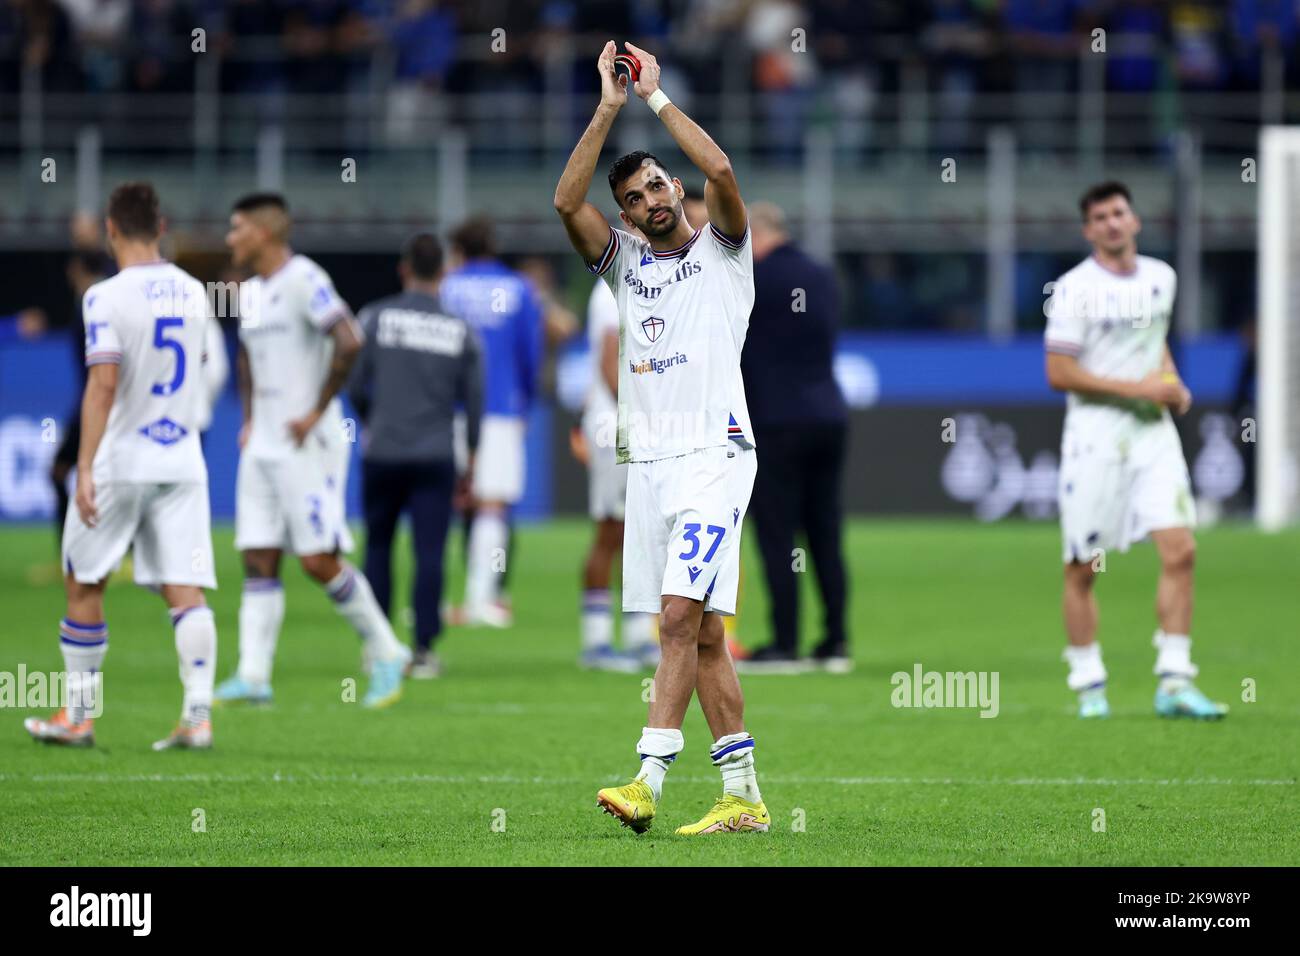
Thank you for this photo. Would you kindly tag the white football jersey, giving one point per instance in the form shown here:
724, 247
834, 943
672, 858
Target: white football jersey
683, 316
284, 323
151, 321
1116, 325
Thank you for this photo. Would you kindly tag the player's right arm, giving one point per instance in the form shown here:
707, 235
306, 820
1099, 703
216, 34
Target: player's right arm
1065, 374
96, 403
586, 225
348, 341
103, 354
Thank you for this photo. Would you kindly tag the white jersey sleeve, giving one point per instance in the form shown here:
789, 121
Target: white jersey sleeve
732, 248
737, 255
622, 246
1066, 318
319, 301
103, 344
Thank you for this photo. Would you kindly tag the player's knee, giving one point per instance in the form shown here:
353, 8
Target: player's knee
1181, 557
600, 554
676, 620
321, 567
712, 633
260, 564
84, 600
1079, 576
183, 595
610, 537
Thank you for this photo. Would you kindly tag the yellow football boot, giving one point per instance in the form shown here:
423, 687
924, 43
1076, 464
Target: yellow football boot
633, 805
730, 815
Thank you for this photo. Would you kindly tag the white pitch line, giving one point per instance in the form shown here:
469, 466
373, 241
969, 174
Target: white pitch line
297, 778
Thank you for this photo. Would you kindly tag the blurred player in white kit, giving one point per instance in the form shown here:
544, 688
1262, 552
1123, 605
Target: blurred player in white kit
606, 494
298, 342
1123, 476
141, 480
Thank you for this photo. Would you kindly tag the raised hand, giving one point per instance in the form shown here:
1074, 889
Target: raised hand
648, 82
613, 88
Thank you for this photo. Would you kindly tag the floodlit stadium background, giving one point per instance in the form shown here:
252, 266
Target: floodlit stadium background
933, 151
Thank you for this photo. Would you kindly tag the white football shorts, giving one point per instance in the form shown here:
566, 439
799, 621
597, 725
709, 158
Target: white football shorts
295, 503
499, 464
167, 526
1112, 497
682, 528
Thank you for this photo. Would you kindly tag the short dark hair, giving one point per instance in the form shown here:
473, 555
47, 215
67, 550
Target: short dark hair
625, 166
423, 254
474, 238
1101, 192
133, 208
255, 201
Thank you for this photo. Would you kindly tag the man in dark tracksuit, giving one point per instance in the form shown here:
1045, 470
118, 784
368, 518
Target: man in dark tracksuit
418, 363
800, 423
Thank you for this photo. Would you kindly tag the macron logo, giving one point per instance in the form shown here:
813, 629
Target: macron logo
103, 909
694, 572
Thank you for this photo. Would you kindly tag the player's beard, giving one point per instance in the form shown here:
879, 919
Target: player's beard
1120, 247
664, 226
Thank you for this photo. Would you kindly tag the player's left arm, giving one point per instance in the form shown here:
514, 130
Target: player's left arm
721, 191
361, 380
96, 403
327, 312
348, 340
1167, 369
216, 364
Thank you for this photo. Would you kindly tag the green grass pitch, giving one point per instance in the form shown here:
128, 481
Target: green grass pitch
515, 734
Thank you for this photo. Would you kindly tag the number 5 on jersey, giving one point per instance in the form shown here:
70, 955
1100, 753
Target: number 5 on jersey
160, 341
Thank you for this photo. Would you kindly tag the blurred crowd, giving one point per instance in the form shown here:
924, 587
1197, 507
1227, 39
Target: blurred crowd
329, 46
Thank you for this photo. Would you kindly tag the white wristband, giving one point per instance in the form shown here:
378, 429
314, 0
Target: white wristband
657, 101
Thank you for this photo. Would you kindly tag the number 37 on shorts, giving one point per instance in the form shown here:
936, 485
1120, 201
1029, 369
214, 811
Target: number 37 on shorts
684, 519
